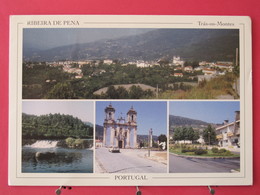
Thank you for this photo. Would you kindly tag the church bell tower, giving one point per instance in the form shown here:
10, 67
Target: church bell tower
110, 114
131, 116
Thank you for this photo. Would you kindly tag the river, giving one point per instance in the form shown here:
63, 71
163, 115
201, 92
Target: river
46, 157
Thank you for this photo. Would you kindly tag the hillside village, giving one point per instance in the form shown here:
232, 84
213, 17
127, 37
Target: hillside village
151, 78
203, 69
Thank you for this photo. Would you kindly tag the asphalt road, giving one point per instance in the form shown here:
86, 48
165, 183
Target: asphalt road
127, 161
194, 165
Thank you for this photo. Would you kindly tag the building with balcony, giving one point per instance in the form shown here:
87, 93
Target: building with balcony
228, 135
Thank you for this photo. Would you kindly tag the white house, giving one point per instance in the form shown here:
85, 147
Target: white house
142, 64
228, 135
176, 74
177, 61
208, 71
188, 69
109, 62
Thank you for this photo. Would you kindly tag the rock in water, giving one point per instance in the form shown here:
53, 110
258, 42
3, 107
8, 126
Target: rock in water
44, 156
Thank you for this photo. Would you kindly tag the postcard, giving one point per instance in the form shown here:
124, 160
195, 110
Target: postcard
97, 100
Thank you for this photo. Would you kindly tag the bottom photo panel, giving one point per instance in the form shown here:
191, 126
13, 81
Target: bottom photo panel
204, 137
115, 137
57, 136
131, 137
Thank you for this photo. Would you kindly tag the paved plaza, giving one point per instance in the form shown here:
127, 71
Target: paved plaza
130, 161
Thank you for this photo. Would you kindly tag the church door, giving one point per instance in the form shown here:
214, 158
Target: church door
120, 144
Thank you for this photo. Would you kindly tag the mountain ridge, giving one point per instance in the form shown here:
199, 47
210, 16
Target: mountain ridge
182, 121
193, 44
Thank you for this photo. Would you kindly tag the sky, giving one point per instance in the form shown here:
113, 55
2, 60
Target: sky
84, 110
208, 111
150, 114
46, 38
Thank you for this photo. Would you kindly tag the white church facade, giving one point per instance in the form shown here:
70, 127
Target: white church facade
121, 132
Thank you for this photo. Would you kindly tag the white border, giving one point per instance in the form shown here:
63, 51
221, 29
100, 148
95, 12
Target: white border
17, 23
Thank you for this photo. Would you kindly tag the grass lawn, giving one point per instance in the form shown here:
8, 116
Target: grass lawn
209, 153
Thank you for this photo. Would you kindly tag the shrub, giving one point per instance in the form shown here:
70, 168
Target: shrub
70, 141
188, 150
200, 151
184, 151
78, 143
222, 150
215, 150
189, 153
227, 153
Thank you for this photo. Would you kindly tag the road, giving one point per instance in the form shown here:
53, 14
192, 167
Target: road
195, 165
127, 161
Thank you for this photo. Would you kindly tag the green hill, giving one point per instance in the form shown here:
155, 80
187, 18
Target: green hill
54, 126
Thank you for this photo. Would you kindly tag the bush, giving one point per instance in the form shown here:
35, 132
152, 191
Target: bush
188, 150
200, 151
227, 153
78, 143
215, 150
223, 150
70, 141
189, 153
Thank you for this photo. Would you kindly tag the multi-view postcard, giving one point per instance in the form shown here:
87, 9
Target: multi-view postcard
130, 100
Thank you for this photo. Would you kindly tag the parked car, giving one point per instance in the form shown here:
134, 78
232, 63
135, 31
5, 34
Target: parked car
114, 150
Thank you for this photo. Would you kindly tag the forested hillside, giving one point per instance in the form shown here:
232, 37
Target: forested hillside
182, 121
54, 126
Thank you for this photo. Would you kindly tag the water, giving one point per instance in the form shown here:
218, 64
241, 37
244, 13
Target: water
44, 157
44, 144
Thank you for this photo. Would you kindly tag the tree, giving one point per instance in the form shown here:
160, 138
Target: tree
193, 64
190, 134
61, 91
135, 92
178, 134
209, 135
122, 93
185, 133
162, 138
54, 126
196, 135
112, 93
163, 62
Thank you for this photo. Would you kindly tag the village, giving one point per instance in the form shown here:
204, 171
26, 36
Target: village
204, 70
136, 79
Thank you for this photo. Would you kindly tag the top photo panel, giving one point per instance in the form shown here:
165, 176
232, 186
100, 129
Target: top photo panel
130, 63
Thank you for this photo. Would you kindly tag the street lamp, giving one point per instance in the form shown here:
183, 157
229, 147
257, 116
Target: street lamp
150, 133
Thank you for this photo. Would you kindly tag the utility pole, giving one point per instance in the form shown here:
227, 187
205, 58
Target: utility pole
150, 134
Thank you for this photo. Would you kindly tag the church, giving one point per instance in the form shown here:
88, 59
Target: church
121, 132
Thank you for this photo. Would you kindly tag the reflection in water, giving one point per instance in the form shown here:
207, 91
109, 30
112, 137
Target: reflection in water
56, 160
